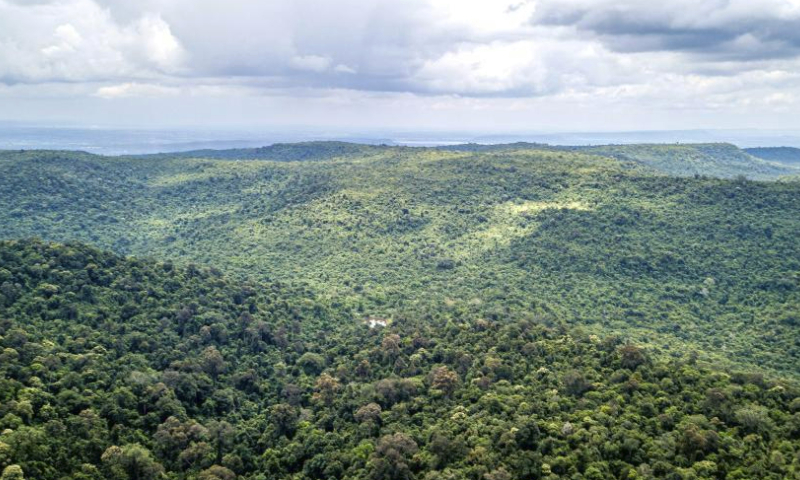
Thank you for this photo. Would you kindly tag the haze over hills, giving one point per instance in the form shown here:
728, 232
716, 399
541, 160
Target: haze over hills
785, 155
715, 160
143, 140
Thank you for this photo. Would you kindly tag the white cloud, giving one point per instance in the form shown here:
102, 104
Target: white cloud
341, 68
483, 17
538, 66
311, 63
78, 40
159, 46
135, 90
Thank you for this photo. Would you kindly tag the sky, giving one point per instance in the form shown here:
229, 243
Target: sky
482, 65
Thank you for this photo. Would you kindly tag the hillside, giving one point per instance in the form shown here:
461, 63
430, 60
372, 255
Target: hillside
717, 160
675, 264
786, 155
714, 160
117, 368
283, 152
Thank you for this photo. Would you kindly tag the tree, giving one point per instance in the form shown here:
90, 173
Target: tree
391, 458
369, 413
133, 462
528, 434
326, 389
222, 433
755, 419
499, 474
311, 363
446, 449
444, 379
5, 453
283, 417
631, 357
216, 472
174, 436
575, 383
12, 472
213, 362
697, 439
391, 345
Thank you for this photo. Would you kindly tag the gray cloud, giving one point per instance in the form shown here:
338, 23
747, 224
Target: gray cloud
444, 55
721, 30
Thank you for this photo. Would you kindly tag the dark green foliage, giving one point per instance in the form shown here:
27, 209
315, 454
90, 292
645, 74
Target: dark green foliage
118, 368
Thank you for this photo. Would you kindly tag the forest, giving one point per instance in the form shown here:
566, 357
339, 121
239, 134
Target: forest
118, 368
340, 311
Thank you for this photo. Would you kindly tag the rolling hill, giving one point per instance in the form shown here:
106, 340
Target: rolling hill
673, 264
284, 152
719, 160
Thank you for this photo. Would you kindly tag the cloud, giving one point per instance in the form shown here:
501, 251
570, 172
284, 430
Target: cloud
524, 68
78, 40
341, 68
135, 90
714, 29
453, 53
463, 47
159, 46
311, 63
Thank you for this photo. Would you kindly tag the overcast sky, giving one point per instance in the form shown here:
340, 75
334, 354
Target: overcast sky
490, 65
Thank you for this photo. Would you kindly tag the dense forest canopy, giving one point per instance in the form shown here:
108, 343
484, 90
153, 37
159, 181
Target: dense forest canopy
116, 368
674, 263
341, 311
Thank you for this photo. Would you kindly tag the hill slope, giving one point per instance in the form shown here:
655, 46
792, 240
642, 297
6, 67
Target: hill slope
718, 160
786, 155
118, 368
714, 160
283, 152
676, 264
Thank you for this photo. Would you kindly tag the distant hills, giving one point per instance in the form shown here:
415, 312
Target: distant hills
719, 160
284, 152
722, 160
785, 155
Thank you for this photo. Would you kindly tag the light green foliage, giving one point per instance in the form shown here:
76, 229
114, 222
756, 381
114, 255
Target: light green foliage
12, 472
509, 231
